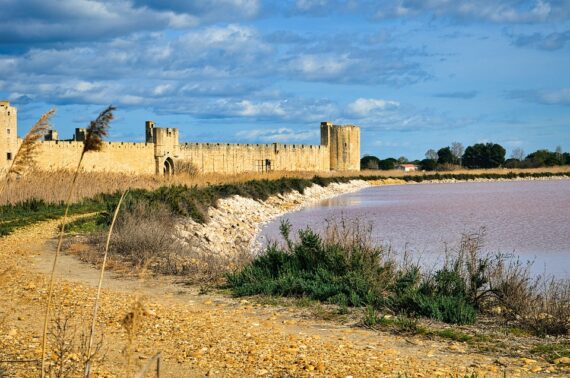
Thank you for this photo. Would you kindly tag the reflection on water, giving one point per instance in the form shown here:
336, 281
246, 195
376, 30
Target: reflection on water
529, 218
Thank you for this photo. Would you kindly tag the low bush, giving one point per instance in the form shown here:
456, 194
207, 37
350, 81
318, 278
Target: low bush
356, 274
344, 267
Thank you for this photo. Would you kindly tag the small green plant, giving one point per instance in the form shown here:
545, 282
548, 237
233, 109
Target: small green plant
409, 325
371, 317
452, 334
552, 351
84, 226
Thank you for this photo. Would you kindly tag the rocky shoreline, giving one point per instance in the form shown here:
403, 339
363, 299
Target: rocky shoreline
234, 224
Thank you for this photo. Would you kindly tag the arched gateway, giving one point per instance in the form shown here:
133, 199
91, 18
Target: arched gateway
168, 168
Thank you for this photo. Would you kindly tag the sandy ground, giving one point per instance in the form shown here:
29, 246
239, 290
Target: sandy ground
212, 334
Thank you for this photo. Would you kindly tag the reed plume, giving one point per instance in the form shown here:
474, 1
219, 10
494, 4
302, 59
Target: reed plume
25, 156
97, 130
93, 142
96, 306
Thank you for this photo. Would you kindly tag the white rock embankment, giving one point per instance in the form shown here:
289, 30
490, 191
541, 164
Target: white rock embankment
235, 223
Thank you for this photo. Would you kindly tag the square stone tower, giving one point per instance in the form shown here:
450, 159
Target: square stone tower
8, 135
166, 146
344, 146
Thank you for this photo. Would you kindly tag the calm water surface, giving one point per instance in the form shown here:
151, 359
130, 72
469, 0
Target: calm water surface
531, 219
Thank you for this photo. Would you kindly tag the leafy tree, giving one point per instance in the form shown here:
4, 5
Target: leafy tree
513, 163
488, 155
388, 164
541, 158
566, 158
457, 151
431, 154
444, 156
402, 160
428, 165
369, 162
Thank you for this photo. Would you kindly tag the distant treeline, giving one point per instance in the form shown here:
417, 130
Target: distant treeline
477, 156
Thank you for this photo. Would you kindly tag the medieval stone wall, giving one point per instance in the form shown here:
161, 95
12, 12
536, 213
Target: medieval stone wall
339, 150
114, 157
235, 158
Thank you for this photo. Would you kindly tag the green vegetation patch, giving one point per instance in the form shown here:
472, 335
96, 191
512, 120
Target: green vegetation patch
86, 225
552, 351
182, 200
349, 274
32, 211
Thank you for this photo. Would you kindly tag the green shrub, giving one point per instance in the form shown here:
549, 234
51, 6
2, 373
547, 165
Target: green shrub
350, 274
316, 268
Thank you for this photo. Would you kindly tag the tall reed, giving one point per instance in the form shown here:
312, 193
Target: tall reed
95, 133
96, 306
25, 156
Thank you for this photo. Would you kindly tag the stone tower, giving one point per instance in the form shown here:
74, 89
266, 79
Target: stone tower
166, 146
8, 134
344, 146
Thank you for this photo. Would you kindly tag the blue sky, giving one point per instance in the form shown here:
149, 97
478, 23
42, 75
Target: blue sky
413, 74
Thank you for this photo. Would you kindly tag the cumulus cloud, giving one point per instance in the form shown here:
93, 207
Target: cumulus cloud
363, 107
319, 67
210, 10
390, 115
267, 108
24, 21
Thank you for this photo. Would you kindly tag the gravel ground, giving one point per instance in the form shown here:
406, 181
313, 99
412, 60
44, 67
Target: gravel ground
208, 335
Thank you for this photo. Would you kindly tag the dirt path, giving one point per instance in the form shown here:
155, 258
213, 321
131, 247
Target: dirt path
204, 334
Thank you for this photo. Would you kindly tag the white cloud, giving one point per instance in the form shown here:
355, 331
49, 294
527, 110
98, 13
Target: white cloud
81, 20
249, 109
365, 106
162, 89
319, 66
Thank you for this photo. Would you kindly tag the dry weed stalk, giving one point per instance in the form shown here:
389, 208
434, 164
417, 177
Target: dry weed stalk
70, 346
148, 364
24, 158
132, 324
96, 306
93, 142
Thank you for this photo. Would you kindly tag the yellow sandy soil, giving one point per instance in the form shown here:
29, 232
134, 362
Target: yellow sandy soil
208, 334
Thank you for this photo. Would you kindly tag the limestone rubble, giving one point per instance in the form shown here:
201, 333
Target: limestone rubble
235, 222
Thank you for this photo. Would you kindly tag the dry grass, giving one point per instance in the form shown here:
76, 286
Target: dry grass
93, 140
145, 239
47, 185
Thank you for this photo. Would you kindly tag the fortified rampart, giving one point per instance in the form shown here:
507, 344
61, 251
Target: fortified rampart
162, 151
